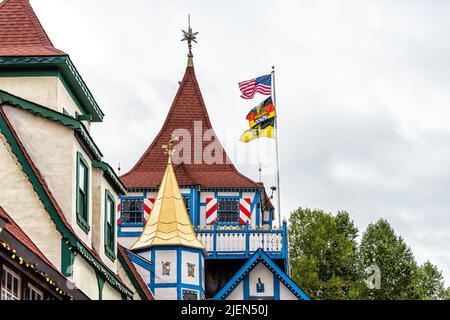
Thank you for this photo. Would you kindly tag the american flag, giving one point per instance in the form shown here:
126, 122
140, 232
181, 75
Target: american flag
261, 84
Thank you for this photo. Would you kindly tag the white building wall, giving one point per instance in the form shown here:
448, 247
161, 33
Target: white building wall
237, 294
22, 203
50, 146
166, 294
286, 294
109, 293
47, 91
193, 258
85, 278
165, 256
266, 276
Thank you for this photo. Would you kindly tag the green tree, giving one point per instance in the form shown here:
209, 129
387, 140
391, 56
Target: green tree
323, 254
429, 283
381, 247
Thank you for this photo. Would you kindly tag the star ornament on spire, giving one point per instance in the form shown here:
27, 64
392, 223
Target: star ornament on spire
190, 37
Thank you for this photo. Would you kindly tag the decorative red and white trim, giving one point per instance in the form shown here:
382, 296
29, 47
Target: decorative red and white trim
148, 206
245, 213
118, 213
211, 210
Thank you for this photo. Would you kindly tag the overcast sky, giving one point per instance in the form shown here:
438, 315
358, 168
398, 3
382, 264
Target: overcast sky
362, 89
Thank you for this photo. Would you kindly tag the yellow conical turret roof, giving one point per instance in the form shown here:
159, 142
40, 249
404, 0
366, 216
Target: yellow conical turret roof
169, 223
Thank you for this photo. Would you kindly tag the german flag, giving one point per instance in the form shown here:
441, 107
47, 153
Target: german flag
264, 129
264, 111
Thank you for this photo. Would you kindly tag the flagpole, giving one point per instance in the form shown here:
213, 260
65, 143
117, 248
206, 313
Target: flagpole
277, 141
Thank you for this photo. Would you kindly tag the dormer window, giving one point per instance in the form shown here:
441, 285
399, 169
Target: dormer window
110, 232
228, 210
82, 193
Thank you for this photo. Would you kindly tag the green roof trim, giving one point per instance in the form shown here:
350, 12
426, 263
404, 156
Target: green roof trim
72, 241
111, 174
60, 66
53, 115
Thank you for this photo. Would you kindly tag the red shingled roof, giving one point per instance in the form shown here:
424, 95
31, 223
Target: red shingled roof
13, 228
187, 108
21, 33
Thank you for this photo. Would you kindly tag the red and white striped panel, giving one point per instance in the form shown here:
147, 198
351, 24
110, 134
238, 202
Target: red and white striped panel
211, 210
118, 214
148, 206
245, 214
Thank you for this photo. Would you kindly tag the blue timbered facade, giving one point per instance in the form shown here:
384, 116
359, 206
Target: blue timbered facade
232, 215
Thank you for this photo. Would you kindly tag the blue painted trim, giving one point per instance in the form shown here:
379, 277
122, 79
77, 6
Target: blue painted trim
246, 286
147, 265
179, 278
276, 287
256, 201
178, 286
129, 234
259, 256
200, 275
153, 272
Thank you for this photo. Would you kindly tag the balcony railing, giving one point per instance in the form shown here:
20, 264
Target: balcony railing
242, 241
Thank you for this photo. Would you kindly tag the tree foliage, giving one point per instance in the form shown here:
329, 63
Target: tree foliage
323, 252
328, 263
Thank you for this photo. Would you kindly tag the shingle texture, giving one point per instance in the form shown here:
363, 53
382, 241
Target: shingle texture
188, 111
21, 33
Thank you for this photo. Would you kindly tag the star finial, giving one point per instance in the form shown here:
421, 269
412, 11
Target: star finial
169, 146
189, 36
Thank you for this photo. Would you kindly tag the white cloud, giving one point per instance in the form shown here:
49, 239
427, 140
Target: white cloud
362, 93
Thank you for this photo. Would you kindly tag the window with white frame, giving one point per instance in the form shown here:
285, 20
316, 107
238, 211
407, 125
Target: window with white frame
10, 285
34, 293
228, 210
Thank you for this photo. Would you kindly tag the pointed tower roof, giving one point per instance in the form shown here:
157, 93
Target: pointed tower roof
169, 223
21, 33
187, 108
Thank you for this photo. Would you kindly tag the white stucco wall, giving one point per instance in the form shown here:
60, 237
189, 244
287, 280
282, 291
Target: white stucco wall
166, 294
190, 257
286, 294
266, 276
237, 293
124, 276
85, 277
165, 256
22, 203
109, 293
47, 91
50, 146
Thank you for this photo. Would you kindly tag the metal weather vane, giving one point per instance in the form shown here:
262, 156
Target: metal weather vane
169, 147
190, 37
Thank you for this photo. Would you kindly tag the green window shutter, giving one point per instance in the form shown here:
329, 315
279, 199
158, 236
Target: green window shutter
82, 193
109, 225
67, 259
